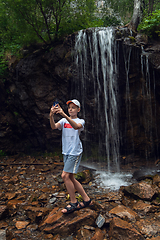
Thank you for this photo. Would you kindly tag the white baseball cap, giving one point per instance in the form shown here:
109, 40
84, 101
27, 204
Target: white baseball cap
75, 102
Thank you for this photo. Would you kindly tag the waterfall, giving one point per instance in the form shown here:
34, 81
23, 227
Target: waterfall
147, 105
96, 85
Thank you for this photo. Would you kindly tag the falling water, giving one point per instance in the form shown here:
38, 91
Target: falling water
127, 56
148, 111
96, 67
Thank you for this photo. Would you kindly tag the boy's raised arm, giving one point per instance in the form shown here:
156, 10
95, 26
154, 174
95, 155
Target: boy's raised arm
52, 122
72, 122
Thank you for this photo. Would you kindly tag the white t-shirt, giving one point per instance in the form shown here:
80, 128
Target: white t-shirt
71, 143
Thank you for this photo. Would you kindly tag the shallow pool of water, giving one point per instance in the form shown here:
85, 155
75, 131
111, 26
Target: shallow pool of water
107, 179
113, 181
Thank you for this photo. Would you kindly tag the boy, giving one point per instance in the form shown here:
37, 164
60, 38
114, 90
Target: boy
71, 127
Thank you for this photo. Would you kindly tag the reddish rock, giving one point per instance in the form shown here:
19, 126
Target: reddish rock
10, 196
57, 237
84, 234
99, 234
52, 218
36, 214
156, 180
3, 224
14, 203
49, 236
142, 190
140, 206
149, 227
120, 229
123, 212
56, 222
21, 224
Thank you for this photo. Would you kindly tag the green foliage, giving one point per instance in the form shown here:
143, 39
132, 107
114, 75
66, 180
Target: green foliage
151, 25
31, 21
25, 23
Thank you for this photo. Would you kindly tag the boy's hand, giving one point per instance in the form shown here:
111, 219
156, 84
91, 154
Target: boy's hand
60, 111
54, 109
57, 110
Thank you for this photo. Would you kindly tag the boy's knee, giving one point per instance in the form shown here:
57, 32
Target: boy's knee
65, 176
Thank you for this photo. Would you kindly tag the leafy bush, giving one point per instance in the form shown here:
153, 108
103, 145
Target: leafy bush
151, 24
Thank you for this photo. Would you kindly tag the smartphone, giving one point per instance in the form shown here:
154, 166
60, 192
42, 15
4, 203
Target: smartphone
55, 103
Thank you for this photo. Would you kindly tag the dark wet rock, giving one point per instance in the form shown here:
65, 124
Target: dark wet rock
156, 180
148, 227
99, 234
121, 228
141, 39
57, 222
143, 174
141, 190
123, 212
3, 211
142, 207
36, 214
84, 233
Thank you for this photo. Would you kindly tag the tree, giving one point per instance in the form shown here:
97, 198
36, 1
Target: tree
140, 12
136, 15
43, 20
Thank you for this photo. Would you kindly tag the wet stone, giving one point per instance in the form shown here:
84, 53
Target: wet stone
57, 222
123, 212
52, 200
3, 211
3, 234
99, 235
100, 221
142, 207
36, 214
148, 227
142, 190
21, 224
84, 234
121, 228
10, 196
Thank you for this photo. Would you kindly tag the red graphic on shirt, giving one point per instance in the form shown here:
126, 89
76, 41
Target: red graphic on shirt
67, 125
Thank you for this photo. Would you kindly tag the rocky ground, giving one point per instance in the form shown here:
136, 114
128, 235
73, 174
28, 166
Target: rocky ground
32, 195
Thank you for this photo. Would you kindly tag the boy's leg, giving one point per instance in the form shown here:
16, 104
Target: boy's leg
69, 185
70, 188
80, 190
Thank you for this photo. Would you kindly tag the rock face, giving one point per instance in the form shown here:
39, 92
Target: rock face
48, 74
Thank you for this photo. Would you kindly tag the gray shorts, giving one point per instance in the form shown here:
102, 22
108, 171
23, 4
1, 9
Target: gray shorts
71, 163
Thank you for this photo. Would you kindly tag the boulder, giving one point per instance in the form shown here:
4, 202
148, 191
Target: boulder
141, 190
123, 212
57, 222
120, 229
